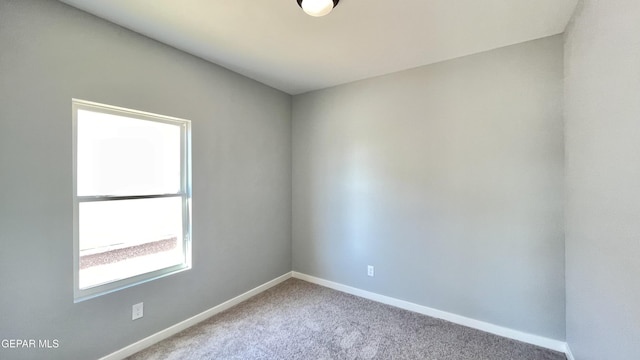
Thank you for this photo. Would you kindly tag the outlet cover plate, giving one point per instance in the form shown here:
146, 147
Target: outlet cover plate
137, 311
370, 270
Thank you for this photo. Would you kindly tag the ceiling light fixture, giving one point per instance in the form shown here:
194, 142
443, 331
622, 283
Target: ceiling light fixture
318, 7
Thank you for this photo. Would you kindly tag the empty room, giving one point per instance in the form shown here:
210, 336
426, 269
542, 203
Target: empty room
320, 179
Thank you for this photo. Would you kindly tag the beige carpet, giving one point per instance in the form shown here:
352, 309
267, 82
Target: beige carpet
299, 320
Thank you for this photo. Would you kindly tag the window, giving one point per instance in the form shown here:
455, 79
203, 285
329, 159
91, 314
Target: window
132, 197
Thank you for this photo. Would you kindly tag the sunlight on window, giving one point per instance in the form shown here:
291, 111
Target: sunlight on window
115, 234
132, 198
124, 156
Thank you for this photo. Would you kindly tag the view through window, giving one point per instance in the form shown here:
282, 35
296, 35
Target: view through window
132, 197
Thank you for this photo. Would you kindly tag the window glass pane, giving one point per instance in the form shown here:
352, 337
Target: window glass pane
118, 155
125, 238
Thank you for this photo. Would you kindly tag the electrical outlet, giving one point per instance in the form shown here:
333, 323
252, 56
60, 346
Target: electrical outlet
137, 311
370, 270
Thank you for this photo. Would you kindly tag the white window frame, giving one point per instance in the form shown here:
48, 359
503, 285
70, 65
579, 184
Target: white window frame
184, 193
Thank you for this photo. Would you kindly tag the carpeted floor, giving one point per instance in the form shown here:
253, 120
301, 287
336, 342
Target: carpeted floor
299, 320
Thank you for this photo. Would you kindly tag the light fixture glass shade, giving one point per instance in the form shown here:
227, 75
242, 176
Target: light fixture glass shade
317, 7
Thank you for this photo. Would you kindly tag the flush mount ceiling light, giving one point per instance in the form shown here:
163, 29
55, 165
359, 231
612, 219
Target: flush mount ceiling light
318, 7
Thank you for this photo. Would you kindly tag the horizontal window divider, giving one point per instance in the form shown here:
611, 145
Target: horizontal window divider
126, 197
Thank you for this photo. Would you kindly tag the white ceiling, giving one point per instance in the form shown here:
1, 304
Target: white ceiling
276, 43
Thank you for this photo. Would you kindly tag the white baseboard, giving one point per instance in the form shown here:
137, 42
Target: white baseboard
537, 340
569, 353
159, 336
541, 341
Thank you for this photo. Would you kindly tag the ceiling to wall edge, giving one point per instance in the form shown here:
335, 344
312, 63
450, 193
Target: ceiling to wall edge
255, 77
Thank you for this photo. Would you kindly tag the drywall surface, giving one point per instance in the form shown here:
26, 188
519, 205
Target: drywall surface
602, 94
448, 179
51, 53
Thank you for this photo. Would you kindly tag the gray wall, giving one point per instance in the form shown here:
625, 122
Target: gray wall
448, 179
602, 92
50, 53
